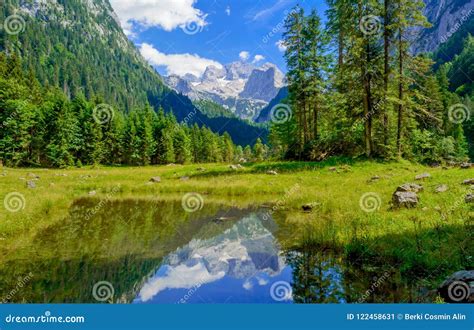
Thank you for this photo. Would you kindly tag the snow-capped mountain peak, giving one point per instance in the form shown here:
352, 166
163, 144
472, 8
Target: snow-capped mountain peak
242, 87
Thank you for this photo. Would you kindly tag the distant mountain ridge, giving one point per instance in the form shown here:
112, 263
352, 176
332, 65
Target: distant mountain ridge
80, 47
241, 87
447, 18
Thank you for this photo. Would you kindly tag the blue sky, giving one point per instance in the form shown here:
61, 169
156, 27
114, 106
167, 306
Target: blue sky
178, 36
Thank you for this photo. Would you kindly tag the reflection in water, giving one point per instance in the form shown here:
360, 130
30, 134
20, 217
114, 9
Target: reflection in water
317, 277
155, 252
238, 265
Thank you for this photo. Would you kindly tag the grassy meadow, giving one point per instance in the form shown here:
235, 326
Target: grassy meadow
429, 241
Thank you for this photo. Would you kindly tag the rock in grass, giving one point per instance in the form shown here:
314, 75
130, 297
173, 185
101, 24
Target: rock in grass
30, 184
200, 169
466, 166
155, 179
184, 178
333, 169
373, 179
468, 181
33, 176
92, 193
422, 176
469, 198
410, 187
406, 199
442, 188
272, 173
456, 288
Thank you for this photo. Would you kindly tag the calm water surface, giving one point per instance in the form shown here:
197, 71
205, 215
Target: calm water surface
155, 252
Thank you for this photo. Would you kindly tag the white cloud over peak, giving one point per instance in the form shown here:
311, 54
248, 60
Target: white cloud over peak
178, 64
258, 58
244, 55
165, 14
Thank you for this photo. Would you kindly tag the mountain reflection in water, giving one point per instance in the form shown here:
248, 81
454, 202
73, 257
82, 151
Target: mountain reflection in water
239, 265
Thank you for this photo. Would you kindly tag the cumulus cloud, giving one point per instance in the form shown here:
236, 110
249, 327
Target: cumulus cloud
178, 64
258, 58
227, 10
281, 45
244, 55
165, 14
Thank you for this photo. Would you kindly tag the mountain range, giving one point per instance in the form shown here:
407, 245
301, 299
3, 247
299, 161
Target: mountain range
241, 87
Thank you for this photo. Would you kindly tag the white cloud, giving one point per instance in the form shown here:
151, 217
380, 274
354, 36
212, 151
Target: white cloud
165, 14
281, 45
179, 277
244, 55
178, 64
258, 58
227, 10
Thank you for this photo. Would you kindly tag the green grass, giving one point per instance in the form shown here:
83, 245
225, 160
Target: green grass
431, 240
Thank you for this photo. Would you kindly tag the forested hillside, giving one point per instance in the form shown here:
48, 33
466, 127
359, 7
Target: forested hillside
79, 47
43, 127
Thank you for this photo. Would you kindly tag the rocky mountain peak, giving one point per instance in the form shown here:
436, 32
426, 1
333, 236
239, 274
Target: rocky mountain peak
241, 87
446, 17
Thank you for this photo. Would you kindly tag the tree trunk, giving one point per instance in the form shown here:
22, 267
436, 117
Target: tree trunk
400, 95
386, 47
367, 105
